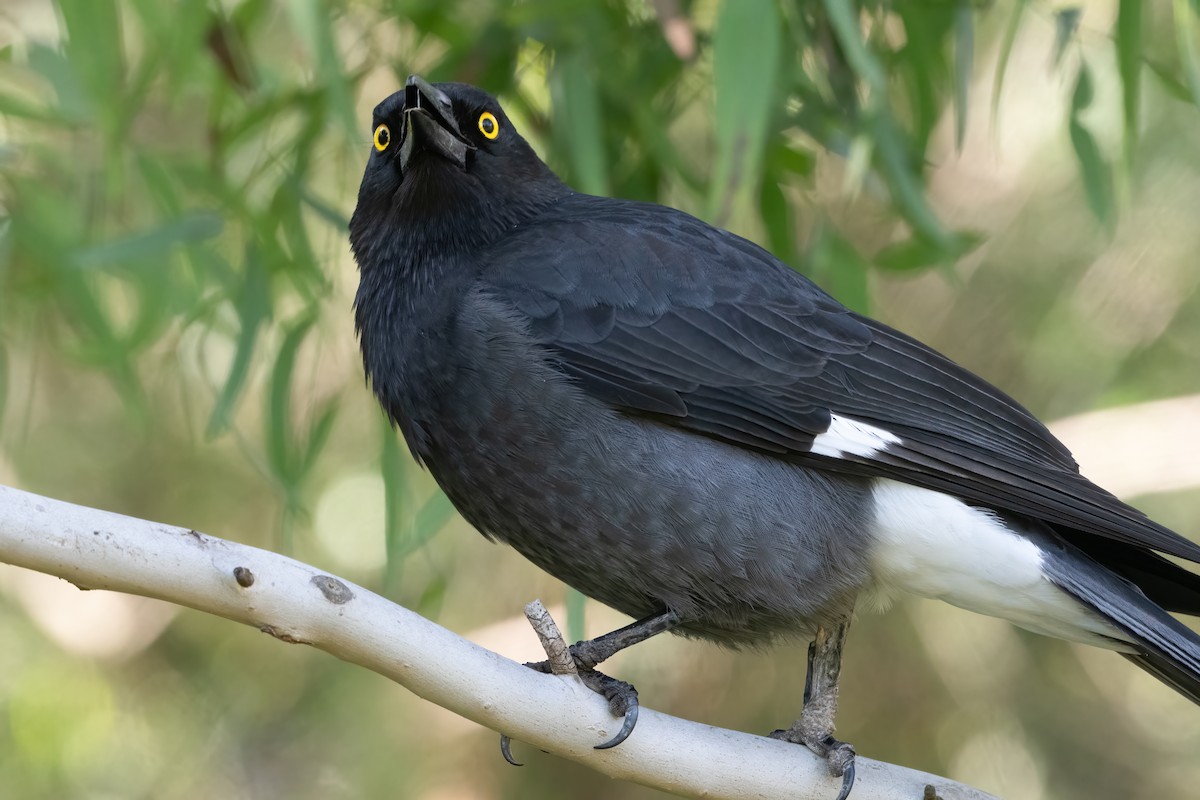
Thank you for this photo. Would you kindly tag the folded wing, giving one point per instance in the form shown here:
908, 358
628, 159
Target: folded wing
660, 315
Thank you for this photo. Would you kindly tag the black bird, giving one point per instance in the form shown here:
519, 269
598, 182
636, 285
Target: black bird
673, 421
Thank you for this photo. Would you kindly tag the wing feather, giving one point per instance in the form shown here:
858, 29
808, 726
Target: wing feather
658, 314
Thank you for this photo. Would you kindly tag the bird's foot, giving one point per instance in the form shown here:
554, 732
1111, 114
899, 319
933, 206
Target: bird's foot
818, 738
621, 696
814, 729
622, 702
581, 659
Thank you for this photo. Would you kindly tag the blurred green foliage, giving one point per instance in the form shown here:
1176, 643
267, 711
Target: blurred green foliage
175, 342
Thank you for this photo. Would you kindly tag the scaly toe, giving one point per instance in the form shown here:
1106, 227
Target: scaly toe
622, 701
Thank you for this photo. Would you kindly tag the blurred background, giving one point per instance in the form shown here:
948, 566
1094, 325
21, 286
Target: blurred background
1015, 182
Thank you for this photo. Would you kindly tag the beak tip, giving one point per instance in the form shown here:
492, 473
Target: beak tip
416, 88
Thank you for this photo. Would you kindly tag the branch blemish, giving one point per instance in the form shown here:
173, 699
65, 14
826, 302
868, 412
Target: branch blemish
282, 636
334, 590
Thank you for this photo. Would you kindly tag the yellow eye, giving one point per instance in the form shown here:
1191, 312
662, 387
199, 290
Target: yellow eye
383, 137
488, 125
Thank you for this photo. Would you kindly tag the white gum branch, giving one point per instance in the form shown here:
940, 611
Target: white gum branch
298, 603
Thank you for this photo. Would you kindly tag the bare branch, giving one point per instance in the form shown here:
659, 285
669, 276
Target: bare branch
297, 603
557, 650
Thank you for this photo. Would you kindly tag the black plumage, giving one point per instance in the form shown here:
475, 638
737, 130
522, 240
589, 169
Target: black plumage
646, 407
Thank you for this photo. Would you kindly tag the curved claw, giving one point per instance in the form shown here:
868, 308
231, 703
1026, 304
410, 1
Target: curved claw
506, 751
847, 781
631, 717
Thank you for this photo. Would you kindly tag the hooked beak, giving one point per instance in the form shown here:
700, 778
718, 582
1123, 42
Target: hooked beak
429, 124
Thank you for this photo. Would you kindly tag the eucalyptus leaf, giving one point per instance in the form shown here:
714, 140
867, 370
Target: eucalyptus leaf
578, 122
1171, 84
1011, 28
1185, 42
1095, 170
1129, 63
776, 215
1066, 24
281, 451
74, 103
397, 516
254, 308
433, 515
576, 615
94, 47
964, 62
313, 21
194, 227
747, 49
908, 255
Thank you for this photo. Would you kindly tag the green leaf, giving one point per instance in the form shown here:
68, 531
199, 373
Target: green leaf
1129, 62
253, 307
3, 381
747, 45
576, 615
661, 149
843, 18
776, 214
431, 518
93, 46
892, 152
964, 61
1185, 42
918, 253
1006, 47
156, 174
1097, 175
278, 420
318, 435
193, 227
74, 103
1084, 93
302, 263
314, 23
837, 266
324, 210
405, 531
894, 161
794, 159
1096, 172
1066, 23
260, 115
910, 255
432, 596
175, 38
396, 522
1172, 85
922, 68
11, 106
6, 248
578, 123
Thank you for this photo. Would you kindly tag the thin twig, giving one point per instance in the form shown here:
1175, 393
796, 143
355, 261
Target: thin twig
557, 650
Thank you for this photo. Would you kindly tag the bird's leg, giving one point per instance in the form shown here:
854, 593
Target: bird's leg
815, 727
588, 654
621, 696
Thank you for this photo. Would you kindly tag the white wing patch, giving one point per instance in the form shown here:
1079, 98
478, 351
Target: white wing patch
846, 436
933, 545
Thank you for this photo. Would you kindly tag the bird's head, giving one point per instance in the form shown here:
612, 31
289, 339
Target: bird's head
447, 171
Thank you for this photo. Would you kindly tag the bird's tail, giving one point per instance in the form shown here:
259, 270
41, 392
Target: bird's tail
1163, 646
1172, 672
